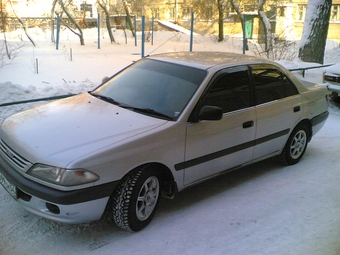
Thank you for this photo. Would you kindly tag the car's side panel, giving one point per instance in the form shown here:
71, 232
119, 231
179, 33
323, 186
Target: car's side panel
315, 104
214, 146
276, 120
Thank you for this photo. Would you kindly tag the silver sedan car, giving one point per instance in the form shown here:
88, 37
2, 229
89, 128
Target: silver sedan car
162, 124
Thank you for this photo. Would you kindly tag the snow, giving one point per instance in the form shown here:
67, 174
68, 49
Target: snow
264, 208
335, 69
312, 10
175, 27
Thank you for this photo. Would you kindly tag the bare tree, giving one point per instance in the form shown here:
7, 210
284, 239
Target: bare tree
216, 12
72, 20
8, 51
220, 8
238, 12
3, 24
268, 30
21, 22
314, 36
103, 4
54, 3
127, 10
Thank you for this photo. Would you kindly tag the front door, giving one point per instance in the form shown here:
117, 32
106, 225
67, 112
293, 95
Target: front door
215, 146
249, 24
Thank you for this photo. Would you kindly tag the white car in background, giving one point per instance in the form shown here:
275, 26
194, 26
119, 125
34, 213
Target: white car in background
162, 124
331, 77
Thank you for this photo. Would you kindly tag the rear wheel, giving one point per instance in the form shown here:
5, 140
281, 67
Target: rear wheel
136, 198
296, 145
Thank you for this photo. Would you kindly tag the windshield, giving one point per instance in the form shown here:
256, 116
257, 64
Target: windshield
153, 87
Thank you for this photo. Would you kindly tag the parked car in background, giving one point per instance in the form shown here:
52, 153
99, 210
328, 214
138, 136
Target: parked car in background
162, 124
331, 76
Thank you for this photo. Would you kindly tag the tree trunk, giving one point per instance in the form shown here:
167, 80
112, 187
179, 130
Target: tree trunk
107, 17
74, 22
133, 30
22, 24
52, 20
239, 13
220, 21
315, 29
268, 30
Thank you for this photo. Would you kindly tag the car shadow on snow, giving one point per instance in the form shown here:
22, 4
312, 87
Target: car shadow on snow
217, 185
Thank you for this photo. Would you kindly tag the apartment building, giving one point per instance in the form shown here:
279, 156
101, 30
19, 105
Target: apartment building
287, 17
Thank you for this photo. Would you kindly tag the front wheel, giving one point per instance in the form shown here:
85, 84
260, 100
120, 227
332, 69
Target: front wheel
136, 198
296, 145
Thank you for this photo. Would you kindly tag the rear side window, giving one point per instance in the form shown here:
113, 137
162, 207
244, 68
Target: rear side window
271, 84
230, 90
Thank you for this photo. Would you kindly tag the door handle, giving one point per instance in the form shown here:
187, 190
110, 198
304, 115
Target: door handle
248, 124
297, 108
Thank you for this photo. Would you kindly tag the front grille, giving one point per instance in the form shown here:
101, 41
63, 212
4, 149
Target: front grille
332, 78
14, 158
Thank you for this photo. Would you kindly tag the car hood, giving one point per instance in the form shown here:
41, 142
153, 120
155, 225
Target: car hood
334, 69
61, 131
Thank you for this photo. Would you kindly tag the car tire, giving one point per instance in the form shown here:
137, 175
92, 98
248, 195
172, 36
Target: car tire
136, 198
295, 146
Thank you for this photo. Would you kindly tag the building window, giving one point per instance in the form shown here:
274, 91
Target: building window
301, 12
335, 12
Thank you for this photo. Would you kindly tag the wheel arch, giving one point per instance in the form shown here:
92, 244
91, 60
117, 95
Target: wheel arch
169, 185
308, 124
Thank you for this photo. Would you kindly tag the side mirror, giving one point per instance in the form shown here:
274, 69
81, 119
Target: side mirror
210, 113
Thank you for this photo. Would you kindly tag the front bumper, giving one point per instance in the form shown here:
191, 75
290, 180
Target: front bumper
74, 206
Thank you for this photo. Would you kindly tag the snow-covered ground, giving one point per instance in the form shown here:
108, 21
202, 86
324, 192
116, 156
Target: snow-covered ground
261, 209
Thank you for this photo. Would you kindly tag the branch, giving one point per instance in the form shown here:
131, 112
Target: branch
22, 23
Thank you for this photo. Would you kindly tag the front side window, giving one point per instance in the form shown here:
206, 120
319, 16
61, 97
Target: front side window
271, 84
153, 86
230, 90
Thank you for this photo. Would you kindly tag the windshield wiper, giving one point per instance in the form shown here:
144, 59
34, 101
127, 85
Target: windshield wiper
147, 111
105, 98
150, 111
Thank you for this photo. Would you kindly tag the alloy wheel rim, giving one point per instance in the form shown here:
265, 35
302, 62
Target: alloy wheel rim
298, 144
147, 198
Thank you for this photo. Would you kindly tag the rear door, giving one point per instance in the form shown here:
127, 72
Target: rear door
278, 109
214, 146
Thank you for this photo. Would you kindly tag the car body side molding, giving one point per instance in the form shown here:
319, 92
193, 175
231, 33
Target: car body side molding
222, 153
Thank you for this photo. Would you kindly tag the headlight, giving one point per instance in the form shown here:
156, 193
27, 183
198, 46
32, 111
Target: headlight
61, 176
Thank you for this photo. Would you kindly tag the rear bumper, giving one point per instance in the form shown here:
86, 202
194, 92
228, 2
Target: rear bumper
74, 206
319, 121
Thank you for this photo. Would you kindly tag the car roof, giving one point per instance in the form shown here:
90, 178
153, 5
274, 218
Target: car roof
216, 60
207, 59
